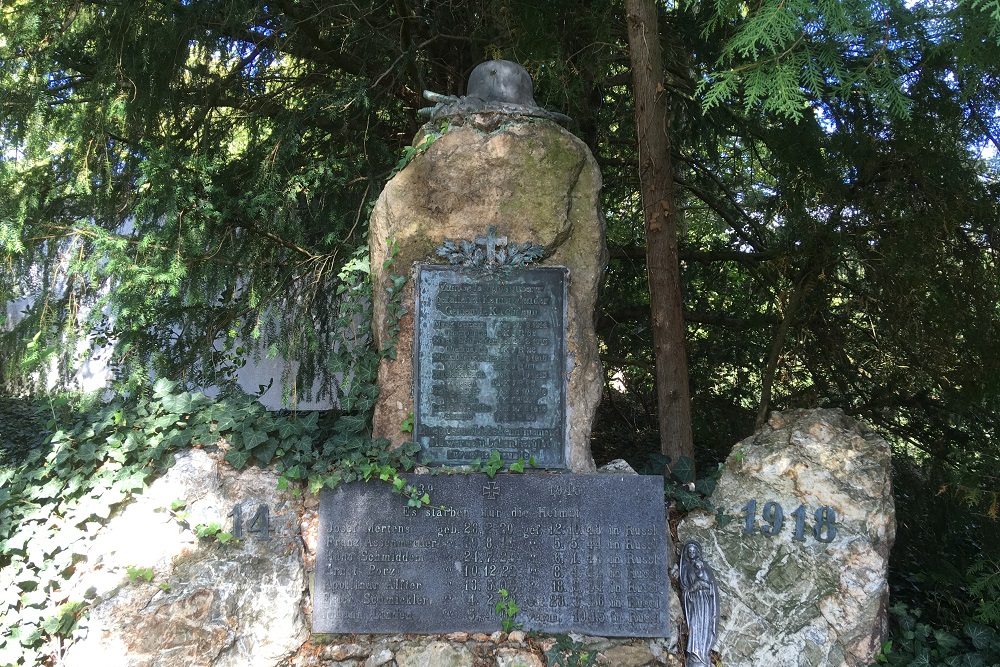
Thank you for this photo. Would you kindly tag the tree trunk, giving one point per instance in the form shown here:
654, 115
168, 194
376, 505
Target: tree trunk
777, 344
662, 265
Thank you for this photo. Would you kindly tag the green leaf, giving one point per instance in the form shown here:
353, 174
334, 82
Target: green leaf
288, 428
225, 422
351, 424
237, 458
265, 452
683, 470
252, 437
315, 484
407, 425
87, 451
163, 387
980, 635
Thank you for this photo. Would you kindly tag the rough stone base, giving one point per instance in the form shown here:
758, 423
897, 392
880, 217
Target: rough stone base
246, 603
461, 649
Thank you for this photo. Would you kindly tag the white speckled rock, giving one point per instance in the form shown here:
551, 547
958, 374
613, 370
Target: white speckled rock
788, 603
617, 467
224, 605
512, 657
434, 654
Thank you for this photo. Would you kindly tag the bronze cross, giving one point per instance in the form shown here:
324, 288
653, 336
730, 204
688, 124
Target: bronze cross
491, 241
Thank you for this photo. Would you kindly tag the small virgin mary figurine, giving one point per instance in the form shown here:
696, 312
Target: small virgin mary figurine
701, 605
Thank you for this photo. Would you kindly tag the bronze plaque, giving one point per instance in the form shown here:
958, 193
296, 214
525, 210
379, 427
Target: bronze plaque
490, 364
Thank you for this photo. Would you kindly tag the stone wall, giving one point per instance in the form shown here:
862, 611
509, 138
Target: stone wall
784, 601
461, 649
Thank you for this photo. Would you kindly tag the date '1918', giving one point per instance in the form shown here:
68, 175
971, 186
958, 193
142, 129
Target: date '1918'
824, 528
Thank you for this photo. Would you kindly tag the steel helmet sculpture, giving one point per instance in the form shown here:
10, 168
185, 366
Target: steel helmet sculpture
495, 86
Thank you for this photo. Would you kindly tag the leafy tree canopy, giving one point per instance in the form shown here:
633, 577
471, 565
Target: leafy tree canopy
190, 179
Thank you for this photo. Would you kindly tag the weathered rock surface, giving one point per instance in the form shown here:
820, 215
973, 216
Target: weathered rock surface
207, 603
802, 603
456, 651
535, 182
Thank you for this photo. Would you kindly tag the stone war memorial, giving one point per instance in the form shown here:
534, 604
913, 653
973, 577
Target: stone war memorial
497, 231
487, 253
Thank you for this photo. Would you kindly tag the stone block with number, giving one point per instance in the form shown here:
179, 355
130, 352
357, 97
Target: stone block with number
800, 543
232, 598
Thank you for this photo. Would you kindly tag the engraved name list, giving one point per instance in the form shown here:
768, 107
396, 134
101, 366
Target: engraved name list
572, 562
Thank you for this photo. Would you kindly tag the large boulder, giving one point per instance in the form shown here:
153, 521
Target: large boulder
801, 602
163, 596
534, 181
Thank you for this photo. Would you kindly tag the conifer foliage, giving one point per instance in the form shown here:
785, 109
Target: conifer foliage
188, 183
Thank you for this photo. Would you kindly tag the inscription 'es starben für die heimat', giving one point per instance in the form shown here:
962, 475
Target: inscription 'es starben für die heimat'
578, 554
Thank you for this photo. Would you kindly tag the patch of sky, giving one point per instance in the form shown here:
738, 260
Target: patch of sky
60, 86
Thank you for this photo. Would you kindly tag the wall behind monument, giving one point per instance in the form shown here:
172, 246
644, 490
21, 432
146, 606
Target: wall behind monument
90, 369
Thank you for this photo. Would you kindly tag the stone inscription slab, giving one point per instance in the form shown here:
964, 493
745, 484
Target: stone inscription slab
490, 364
578, 553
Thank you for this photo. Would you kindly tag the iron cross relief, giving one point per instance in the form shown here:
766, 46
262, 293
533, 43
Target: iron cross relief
491, 242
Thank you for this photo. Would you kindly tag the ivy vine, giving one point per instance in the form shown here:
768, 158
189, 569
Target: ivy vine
72, 461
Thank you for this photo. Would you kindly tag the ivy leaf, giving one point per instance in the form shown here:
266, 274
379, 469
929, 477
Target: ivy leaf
163, 387
351, 424
946, 640
265, 452
87, 451
288, 428
225, 422
706, 485
683, 470
979, 634
253, 437
178, 404
237, 458
133, 481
